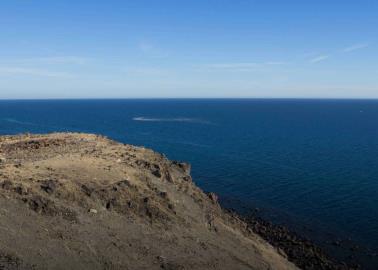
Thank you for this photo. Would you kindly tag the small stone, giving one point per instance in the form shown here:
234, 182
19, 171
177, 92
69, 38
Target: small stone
185, 167
281, 252
187, 178
163, 194
21, 190
213, 197
336, 243
93, 211
87, 190
156, 172
49, 186
161, 258
7, 184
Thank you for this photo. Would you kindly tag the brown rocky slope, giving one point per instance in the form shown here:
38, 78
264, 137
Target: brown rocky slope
82, 201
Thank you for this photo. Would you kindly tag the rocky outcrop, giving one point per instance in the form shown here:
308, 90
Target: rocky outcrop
81, 201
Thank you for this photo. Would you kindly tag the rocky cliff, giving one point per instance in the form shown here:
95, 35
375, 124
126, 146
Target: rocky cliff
81, 201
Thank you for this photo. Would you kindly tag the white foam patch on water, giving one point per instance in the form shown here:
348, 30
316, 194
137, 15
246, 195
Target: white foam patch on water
15, 121
25, 123
179, 119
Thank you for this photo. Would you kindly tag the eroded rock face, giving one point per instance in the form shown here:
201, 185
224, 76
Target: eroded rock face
81, 201
185, 167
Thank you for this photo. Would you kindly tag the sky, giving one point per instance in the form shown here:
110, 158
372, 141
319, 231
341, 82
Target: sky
188, 49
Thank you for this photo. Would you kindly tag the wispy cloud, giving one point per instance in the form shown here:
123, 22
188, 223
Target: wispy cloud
31, 72
75, 60
274, 63
65, 59
146, 71
232, 65
40, 66
245, 66
319, 59
355, 47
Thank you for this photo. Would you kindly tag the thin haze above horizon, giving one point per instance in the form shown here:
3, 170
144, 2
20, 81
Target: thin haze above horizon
208, 48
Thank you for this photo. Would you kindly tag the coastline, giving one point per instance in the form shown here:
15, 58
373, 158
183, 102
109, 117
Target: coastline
300, 250
82, 201
287, 242
299, 243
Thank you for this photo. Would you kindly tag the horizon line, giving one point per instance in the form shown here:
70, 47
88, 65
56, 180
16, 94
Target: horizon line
189, 98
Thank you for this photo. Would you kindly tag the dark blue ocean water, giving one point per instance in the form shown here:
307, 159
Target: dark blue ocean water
313, 162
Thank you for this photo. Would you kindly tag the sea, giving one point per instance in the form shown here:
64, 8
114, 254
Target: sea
308, 164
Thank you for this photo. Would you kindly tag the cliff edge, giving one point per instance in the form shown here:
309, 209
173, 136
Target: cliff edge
82, 201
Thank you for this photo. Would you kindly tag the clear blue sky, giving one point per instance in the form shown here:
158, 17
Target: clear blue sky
204, 48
